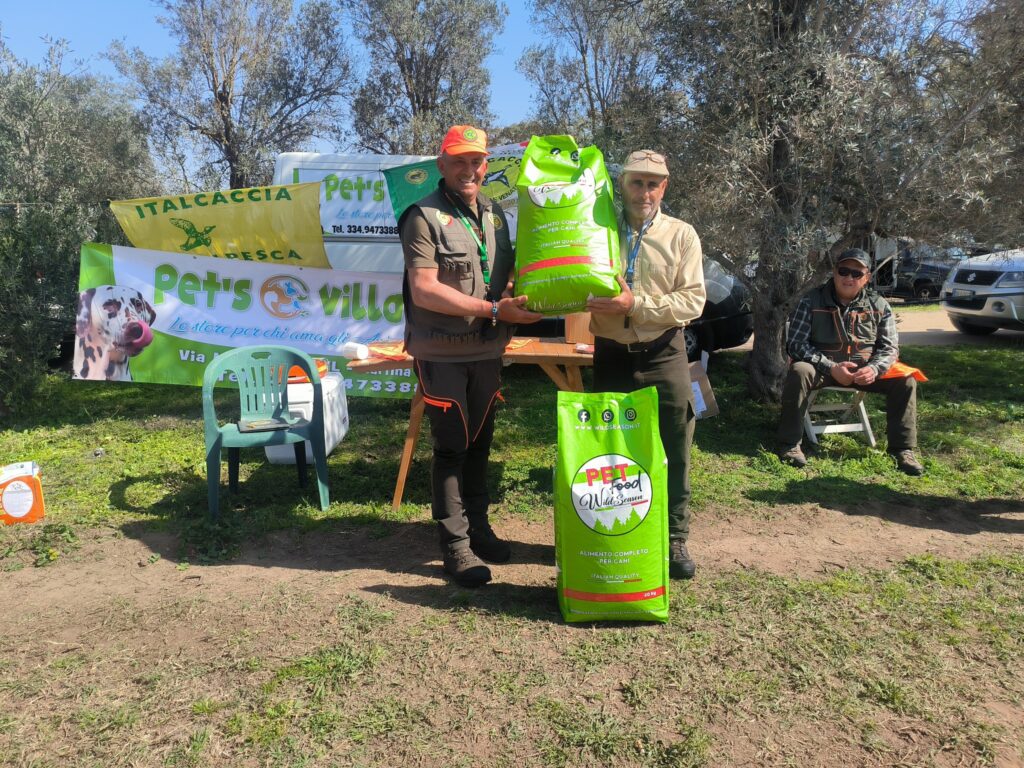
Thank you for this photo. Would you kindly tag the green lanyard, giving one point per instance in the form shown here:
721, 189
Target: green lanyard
481, 247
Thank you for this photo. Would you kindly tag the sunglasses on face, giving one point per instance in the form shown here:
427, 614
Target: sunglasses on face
647, 154
856, 274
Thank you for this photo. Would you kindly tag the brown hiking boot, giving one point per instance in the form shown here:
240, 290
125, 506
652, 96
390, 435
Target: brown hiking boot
465, 568
486, 544
907, 463
792, 456
680, 564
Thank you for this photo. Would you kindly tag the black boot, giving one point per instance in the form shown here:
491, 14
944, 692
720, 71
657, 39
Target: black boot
486, 543
680, 564
465, 568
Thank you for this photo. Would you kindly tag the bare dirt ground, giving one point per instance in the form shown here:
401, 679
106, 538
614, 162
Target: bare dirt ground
117, 604
794, 540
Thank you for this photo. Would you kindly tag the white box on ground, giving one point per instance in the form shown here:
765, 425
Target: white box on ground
300, 403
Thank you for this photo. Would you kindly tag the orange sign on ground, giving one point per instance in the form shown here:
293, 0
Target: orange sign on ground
21, 493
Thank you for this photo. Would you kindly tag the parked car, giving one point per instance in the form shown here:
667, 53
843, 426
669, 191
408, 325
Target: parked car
726, 321
985, 293
923, 269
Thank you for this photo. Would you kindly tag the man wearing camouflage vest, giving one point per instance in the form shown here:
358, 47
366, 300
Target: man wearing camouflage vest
844, 334
458, 319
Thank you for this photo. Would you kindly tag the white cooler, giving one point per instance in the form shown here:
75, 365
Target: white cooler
300, 403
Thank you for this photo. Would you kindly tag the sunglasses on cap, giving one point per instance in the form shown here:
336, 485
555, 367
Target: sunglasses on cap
646, 154
856, 274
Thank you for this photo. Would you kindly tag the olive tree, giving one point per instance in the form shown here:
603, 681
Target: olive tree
999, 27
67, 143
424, 70
596, 75
811, 126
250, 78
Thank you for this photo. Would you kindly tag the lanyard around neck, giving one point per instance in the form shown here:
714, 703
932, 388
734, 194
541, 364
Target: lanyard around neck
481, 246
634, 249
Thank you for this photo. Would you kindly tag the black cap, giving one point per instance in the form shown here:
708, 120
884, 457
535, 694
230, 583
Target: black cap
855, 254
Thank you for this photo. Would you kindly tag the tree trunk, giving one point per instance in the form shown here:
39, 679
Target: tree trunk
768, 361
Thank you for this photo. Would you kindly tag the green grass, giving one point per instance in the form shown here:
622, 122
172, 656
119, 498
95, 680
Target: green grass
129, 455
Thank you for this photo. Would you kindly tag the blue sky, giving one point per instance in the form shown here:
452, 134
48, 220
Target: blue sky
89, 27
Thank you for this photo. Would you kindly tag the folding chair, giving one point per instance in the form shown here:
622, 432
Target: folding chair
829, 418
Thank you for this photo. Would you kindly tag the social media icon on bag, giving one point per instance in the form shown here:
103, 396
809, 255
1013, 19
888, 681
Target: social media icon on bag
583, 415
607, 415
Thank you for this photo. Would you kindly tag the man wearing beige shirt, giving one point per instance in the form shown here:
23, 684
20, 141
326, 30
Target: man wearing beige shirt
638, 334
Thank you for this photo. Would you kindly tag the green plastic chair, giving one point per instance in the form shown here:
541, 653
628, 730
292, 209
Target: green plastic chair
262, 374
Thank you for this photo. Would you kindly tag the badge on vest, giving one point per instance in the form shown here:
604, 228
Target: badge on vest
444, 218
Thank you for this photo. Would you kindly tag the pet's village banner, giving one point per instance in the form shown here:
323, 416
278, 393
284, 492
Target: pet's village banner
153, 316
269, 225
363, 201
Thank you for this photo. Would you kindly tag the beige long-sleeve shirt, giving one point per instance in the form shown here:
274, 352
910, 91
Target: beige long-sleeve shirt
668, 282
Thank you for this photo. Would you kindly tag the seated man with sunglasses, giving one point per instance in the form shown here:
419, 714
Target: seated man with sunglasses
844, 334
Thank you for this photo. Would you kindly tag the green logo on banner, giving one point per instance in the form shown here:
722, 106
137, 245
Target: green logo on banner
194, 238
416, 176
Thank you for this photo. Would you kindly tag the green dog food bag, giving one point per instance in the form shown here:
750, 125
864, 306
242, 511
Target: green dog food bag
611, 508
567, 240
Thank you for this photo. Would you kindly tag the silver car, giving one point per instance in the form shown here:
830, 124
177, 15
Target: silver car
986, 293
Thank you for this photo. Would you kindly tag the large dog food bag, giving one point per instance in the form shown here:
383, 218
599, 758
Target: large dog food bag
567, 243
611, 508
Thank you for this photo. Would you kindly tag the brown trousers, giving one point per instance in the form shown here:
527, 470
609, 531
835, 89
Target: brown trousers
900, 405
616, 369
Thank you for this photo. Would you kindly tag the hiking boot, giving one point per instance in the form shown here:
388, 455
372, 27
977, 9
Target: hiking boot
907, 463
792, 456
465, 568
486, 544
680, 564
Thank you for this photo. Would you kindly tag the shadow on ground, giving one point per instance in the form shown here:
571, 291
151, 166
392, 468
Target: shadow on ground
921, 511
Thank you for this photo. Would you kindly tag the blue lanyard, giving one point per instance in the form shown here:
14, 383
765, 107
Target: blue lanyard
634, 249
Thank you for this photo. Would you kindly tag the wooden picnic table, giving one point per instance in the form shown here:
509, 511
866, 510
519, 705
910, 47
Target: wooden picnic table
558, 359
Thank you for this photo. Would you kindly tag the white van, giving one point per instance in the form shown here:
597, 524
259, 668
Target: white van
360, 231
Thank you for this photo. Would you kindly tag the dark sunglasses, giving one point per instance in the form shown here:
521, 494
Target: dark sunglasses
856, 274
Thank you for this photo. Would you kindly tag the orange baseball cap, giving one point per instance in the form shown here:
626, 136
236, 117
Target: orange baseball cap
463, 139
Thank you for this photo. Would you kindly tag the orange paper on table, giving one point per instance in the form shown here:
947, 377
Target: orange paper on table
902, 370
388, 350
515, 344
21, 493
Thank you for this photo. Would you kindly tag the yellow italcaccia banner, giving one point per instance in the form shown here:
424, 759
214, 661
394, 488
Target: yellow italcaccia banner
266, 224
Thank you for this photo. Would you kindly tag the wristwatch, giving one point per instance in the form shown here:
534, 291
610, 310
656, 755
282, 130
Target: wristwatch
494, 312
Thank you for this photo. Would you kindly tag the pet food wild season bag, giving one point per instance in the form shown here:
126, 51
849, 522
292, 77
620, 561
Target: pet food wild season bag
567, 243
611, 508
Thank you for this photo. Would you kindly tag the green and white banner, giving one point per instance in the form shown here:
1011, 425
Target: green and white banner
409, 183
160, 317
